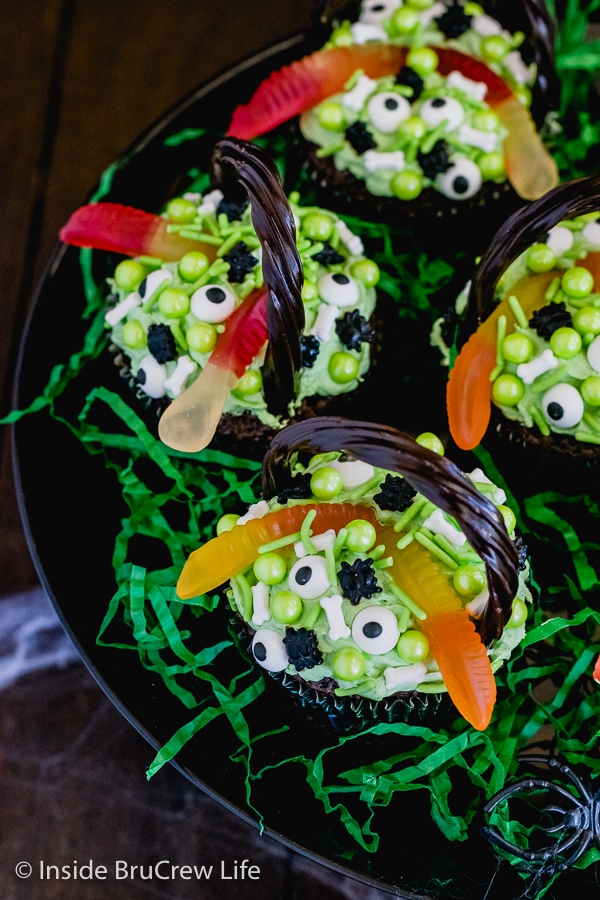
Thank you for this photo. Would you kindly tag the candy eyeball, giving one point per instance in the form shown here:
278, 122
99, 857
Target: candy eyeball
338, 289
353, 471
212, 303
593, 354
387, 110
563, 405
436, 110
375, 630
461, 181
375, 11
268, 650
308, 577
151, 376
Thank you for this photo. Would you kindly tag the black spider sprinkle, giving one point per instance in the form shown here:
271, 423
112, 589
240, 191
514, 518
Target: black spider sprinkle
241, 261
522, 550
396, 494
161, 343
358, 580
436, 161
297, 489
309, 348
547, 319
328, 256
454, 21
302, 648
233, 208
354, 330
360, 138
410, 78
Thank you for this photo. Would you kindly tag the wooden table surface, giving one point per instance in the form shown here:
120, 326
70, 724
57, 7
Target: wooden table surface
80, 80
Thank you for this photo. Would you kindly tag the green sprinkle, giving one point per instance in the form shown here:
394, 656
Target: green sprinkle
497, 370
201, 238
435, 550
434, 136
410, 513
552, 289
246, 288
539, 420
448, 547
246, 591
153, 262
377, 552
179, 336
586, 437
312, 615
232, 240
406, 540
518, 311
541, 384
499, 339
361, 687
403, 619
416, 611
340, 541
363, 489
331, 567
284, 541
432, 687
384, 563
305, 532
149, 303
592, 421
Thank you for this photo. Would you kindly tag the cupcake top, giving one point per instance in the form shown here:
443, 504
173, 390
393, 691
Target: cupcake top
220, 284
460, 24
536, 352
411, 131
364, 568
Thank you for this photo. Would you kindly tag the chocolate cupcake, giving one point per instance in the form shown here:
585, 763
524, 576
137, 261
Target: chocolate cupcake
239, 309
525, 333
412, 131
374, 578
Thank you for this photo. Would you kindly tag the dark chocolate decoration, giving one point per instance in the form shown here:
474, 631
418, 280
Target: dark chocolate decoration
433, 475
358, 580
436, 161
549, 318
523, 228
408, 77
302, 648
360, 138
251, 167
161, 343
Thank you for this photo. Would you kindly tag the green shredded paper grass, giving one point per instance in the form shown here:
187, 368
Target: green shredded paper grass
545, 693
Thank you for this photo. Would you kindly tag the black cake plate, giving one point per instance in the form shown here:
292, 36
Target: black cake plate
72, 507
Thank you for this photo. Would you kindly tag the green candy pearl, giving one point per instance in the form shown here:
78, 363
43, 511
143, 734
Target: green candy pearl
517, 348
343, 367
419, 4
361, 536
193, 265
326, 483
201, 337
310, 291
250, 383
134, 335
485, 120
491, 165
366, 271
227, 522
286, 607
587, 320
406, 185
565, 343
494, 48
270, 568
508, 390
348, 664
431, 441
518, 615
541, 258
469, 580
181, 211
423, 60
174, 303
577, 282
413, 646
129, 274
317, 226
590, 390
404, 20
330, 116
413, 127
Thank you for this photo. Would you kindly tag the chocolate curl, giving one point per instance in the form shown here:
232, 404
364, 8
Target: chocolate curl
522, 229
434, 476
238, 163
